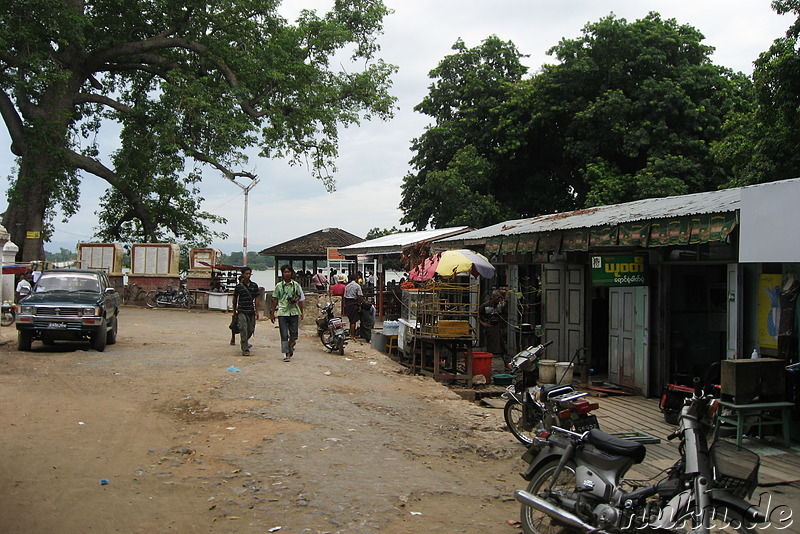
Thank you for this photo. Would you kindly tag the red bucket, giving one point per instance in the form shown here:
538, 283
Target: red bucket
482, 365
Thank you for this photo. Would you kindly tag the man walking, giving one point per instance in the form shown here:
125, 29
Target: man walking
246, 301
353, 297
287, 304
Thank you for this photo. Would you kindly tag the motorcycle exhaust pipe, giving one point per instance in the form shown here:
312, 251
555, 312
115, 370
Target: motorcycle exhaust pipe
554, 511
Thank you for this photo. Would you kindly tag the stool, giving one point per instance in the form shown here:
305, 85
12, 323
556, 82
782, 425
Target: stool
391, 344
760, 410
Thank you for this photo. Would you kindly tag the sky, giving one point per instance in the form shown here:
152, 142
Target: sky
289, 202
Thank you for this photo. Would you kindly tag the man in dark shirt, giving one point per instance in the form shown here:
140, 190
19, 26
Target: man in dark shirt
246, 302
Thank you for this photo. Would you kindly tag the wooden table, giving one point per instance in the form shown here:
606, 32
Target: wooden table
428, 356
764, 414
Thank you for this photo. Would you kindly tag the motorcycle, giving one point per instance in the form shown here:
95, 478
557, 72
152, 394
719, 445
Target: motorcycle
9, 313
533, 409
330, 330
576, 482
169, 298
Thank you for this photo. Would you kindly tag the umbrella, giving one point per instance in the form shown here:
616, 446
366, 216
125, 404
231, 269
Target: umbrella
452, 262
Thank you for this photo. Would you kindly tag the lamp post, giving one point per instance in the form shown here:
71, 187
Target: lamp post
246, 189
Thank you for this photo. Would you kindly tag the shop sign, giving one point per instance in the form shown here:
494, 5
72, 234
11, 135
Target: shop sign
33, 235
619, 270
333, 254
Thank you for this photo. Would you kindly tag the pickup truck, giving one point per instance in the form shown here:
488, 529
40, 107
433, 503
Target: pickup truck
69, 304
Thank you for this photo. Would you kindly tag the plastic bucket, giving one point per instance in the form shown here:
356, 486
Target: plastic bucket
482, 365
547, 371
563, 373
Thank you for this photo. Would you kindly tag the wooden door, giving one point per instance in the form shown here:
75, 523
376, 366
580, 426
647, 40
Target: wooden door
563, 298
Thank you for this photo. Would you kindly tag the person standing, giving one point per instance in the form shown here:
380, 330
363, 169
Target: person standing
353, 297
287, 305
23, 288
490, 315
246, 301
320, 281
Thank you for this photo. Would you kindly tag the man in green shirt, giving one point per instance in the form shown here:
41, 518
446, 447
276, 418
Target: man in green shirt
287, 305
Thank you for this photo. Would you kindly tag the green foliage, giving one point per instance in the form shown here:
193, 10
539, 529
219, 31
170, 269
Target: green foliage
63, 254
187, 79
254, 260
631, 110
761, 145
376, 232
469, 86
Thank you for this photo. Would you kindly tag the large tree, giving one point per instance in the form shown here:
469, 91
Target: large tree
761, 144
457, 169
199, 79
629, 111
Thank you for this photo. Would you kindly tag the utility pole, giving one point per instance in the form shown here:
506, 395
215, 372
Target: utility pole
246, 189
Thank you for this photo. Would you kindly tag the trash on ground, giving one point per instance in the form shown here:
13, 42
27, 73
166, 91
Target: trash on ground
233, 369
103, 481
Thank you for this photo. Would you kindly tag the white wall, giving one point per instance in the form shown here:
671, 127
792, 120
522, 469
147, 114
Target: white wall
770, 223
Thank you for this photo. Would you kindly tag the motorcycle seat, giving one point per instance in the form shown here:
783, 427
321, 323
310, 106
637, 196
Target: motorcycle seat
551, 390
613, 445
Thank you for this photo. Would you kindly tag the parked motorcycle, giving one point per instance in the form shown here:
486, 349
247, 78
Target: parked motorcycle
9, 313
576, 482
331, 330
169, 298
533, 409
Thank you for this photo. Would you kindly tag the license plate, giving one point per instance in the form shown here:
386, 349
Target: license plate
57, 326
338, 331
336, 323
586, 423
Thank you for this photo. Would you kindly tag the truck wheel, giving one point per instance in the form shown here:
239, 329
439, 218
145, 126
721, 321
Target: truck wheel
111, 337
24, 340
99, 339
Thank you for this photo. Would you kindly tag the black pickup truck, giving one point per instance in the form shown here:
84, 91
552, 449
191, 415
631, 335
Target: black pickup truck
69, 304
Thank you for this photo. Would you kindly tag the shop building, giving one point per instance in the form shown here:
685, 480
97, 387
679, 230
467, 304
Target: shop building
658, 290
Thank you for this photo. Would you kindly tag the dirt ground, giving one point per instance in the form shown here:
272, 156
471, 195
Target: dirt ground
324, 443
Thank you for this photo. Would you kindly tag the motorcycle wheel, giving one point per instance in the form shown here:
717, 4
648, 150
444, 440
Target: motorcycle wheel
516, 424
328, 340
8, 319
341, 347
163, 301
532, 520
150, 298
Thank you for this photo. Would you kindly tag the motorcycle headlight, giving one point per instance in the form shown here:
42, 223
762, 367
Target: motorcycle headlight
90, 310
26, 310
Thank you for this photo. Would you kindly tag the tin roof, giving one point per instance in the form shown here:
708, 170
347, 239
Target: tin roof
395, 243
725, 200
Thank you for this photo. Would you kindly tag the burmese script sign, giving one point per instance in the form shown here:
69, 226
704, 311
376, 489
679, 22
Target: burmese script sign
619, 270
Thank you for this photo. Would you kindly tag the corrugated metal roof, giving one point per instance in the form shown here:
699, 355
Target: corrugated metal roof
725, 200
395, 243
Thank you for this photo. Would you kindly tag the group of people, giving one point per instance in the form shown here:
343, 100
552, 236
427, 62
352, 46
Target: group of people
288, 308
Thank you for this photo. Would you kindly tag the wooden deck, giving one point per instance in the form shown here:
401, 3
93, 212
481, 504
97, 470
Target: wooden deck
779, 464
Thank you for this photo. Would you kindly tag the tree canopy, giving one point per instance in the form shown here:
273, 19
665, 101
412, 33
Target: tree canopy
761, 144
631, 110
188, 84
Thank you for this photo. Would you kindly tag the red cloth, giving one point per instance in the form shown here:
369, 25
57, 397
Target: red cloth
337, 290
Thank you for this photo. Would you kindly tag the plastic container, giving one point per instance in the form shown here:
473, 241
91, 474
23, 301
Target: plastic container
547, 371
502, 379
482, 365
563, 373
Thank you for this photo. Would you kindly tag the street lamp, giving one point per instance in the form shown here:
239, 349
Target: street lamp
246, 189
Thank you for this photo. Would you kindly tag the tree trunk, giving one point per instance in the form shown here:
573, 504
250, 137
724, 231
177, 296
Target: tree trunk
28, 201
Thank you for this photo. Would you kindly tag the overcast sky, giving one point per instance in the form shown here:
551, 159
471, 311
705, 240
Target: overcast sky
288, 202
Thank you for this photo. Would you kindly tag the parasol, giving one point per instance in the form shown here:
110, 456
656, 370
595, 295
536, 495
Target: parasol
452, 262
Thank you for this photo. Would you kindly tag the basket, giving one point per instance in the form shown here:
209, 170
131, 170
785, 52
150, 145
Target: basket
735, 469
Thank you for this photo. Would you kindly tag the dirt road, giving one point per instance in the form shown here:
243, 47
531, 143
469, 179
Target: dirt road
324, 443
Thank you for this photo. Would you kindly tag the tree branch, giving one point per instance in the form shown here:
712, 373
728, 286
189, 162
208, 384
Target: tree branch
98, 169
85, 98
13, 124
229, 174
